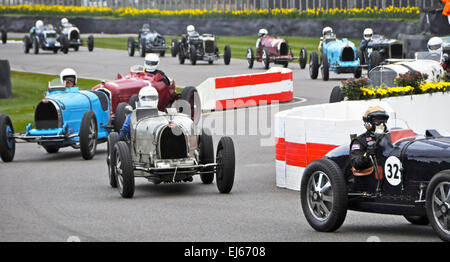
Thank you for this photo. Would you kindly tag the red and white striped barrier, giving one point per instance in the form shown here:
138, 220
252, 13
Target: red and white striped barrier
307, 133
274, 85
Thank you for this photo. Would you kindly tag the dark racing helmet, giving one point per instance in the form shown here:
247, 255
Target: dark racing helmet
375, 119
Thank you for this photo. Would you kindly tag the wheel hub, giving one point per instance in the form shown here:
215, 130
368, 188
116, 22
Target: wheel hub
316, 196
444, 208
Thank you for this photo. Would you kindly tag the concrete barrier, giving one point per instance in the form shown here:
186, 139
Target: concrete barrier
274, 85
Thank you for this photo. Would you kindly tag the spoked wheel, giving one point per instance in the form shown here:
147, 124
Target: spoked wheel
250, 57
88, 135
323, 194
225, 160
7, 141
266, 58
438, 204
123, 169
113, 138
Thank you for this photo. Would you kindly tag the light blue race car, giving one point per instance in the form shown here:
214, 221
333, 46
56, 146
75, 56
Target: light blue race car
65, 117
339, 56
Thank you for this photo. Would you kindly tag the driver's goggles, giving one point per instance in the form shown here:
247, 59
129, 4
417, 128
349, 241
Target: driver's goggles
149, 98
151, 63
72, 80
378, 121
435, 47
368, 36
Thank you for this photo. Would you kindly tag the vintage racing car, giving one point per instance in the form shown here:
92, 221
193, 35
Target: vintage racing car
200, 48
65, 117
70, 36
44, 38
379, 49
125, 89
412, 178
164, 147
274, 50
147, 42
339, 56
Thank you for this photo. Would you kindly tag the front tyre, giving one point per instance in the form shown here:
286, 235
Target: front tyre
113, 138
190, 95
120, 117
123, 168
323, 194
325, 68
90, 43
7, 141
225, 159
250, 58
303, 57
438, 204
130, 46
265, 58
227, 55
88, 135
313, 65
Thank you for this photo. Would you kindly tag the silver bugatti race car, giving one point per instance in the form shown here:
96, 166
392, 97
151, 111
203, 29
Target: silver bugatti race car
164, 147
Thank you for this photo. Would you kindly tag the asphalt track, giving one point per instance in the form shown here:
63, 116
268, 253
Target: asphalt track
56, 197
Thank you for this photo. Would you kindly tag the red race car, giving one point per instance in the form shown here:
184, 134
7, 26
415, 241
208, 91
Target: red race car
274, 50
125, 89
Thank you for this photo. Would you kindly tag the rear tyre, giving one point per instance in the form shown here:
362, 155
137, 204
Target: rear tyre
120, 117
130, 46
227, 55
206, 155
88, 135
325, 69
336, 95
7, 143
113, 138
123, 169
303, 57
418, 220
225, 170
266, 58
250, 57
90, 43
133, 100
64, 44
190, 95
323, 193
313, 65
438, 204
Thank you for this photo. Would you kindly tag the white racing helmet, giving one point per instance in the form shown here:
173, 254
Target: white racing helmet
68, 72
327, 31
368, 33
190, 29
148, 97
262, 32
435, 45
64, 21
39, 24
151, 62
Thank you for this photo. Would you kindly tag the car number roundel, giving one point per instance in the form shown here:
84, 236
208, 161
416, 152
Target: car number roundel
392, 170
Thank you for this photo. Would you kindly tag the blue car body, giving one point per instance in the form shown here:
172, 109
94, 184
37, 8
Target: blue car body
342, 55
58, 117
47, 37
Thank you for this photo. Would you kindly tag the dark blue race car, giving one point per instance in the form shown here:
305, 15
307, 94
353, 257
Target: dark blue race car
148, 42
65, 117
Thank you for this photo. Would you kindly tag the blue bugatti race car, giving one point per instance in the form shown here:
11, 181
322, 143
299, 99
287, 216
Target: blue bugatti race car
65, 117
339, 56
411, 178
43, 37
148, 42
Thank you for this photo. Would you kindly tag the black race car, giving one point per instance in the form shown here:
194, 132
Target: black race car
379, 49
413, 180
198, 47
147, 42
